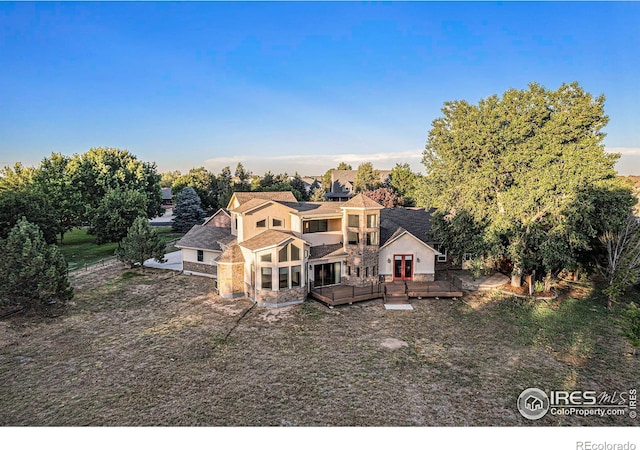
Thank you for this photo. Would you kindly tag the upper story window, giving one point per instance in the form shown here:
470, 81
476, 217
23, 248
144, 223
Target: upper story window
372, 238
283, 254
315, 226
353, 220
353, 238
289, 252
265, 258
295, 253
200, 256
372, 220
261, 223
276, 222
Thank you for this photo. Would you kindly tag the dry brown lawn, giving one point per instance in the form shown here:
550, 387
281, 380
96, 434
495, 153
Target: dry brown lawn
159, 348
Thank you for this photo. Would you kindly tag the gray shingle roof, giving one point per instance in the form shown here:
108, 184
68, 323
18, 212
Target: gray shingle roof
321, 251
204, 237
416, 221
267, 238
284, 196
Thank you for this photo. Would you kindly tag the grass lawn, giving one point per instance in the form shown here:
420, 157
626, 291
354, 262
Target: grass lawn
79, 248
159, 348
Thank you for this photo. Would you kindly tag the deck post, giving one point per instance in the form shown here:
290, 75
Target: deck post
353, 291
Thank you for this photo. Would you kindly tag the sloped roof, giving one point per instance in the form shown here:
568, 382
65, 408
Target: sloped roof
362, 201
393, 221
232, 254
325, 251
166, 194
219, 211
342, 177
315, 208
204, 237
268, 238
285, 196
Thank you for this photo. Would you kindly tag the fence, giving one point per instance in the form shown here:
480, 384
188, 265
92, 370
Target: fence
343, 292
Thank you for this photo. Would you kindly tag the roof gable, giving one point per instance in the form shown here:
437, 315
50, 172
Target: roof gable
361, 201
242, 197
268, 238
204, 238
416, 221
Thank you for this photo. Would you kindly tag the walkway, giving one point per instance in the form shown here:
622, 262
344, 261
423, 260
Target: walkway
174, 262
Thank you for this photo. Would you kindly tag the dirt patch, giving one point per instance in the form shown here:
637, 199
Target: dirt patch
393, 344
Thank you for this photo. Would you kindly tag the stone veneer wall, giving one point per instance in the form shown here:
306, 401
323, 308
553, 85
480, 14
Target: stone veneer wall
231, 279
199, 267
362, 255
421, 277
296, 294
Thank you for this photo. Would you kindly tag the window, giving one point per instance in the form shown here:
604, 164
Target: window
372, 220
276, 222
353, 238
295, 253
375, 268
372, 238
358, 272
316, 226
266, 280
366, 271
467, 257
283, 276
266, 258
441, 248
324, 274
261, 223
236, 222
353, 220
349, 270
200, 256
282, 254
296, 276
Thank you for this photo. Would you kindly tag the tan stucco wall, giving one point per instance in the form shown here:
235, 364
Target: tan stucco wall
407, 245
272, 211
191, 255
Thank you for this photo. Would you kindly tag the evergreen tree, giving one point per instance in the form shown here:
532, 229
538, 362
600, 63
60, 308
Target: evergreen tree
244, 179
298, 185
188, 211
318, 195
142, 242
32, 273
224, 189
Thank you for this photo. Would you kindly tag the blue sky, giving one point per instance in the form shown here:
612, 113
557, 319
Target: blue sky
294, 86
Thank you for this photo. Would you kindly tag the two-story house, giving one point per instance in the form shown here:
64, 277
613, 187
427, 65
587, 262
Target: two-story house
273, 249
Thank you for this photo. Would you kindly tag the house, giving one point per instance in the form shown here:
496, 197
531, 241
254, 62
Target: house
342, 183
273, 249
167, 198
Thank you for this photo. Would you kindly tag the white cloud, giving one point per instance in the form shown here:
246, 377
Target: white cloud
635, 151
314, 164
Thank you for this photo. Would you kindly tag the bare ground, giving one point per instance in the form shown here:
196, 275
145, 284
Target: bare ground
159, 348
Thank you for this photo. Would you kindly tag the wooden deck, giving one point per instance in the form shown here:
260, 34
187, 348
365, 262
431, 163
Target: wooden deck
395, 292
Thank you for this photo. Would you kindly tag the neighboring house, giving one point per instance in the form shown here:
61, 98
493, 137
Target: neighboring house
274, 249
167, 198
342, 183
309, 182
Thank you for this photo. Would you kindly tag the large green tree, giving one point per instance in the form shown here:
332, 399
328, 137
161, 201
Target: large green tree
100, 170
25, 201
32, 273
204, 183
521, 167
367, 178
116, 212
142, 242
53, 180
405, 183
